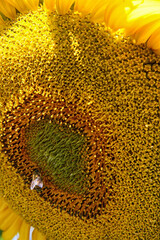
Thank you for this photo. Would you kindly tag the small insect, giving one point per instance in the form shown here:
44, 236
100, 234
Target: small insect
36, 180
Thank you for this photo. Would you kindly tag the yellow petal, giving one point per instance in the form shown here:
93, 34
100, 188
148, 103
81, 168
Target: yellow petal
63, 6
115, 14
24, 231
143, 34
143, 14
4, 213
157, 51
24, 5
120, 22
37, 235
1, 21
98, 11
84, 6
95, 8
13, 229
143, 23
3, 205
154, 41
145, 8
7, 9
133, 27
50, 5
8, 221
11, 223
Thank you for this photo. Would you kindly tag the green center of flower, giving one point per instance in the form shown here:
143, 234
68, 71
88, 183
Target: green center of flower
60, 151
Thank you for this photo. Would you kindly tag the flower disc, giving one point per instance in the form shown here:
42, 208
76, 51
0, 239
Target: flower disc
48, 135
79, 128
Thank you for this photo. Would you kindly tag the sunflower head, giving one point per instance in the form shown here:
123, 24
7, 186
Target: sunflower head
79, 123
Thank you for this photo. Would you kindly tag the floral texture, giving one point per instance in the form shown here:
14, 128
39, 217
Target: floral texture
79, 120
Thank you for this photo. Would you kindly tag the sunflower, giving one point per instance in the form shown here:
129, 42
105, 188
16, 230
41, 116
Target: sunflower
79, 119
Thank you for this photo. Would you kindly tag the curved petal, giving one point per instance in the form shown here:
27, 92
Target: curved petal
101, 10
63, 6
116, 13
37, 235
24, 231
13, 229
154, 41
50, 5
1, 21
5, 212
23, 5
3, 206
7, 222
143, 23
144, 33
11, 224
132, 28
97, 14
7, 9
86, 6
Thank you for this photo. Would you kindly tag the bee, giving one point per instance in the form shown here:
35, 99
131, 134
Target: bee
36, 180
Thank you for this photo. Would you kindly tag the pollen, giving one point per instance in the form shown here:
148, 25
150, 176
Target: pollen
58, 152
76, 100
